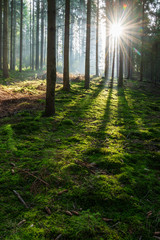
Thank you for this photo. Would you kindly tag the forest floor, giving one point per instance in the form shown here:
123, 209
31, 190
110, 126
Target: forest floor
90, 172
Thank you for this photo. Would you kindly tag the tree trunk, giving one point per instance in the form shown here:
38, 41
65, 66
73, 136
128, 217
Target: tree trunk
37, 38
42, 32
120, 78
129, 60
33, 37
0, 34
14, 35
30, 34
66, 85
88, 33
51, 59
142, 46
113, 63
107, 46
97, 39
11, 39
21, 37
5, 40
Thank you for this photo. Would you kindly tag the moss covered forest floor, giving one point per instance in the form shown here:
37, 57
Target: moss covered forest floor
90, 172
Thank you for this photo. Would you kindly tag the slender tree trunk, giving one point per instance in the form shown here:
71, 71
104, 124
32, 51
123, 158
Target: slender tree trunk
30, 34
129, 60
14, 35
51, 59
45, 42
88, 39
11, 39
66, 85
21, 37
120, 78
33, 37
5, 40
71, 43
107, 46
113, 63
42, 32
97, 39
0, 34
142, 46
37, 38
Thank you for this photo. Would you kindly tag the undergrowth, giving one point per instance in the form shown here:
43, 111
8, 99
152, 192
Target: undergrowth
89, 172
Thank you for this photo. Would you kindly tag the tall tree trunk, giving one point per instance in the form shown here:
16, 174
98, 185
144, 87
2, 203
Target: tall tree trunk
51, 59
71, 43
88, 39
97, 39
14, 35
129, 60
5, 40
42, 32
120, 78
21, 37
0, 34
33, 37
37, 38
30, 34
107, 45
11, 39
113, 63
142, 46
66, 85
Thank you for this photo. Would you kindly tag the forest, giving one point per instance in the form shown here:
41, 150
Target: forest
80, 119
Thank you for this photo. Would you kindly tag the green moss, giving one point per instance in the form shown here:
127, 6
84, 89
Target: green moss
100, 157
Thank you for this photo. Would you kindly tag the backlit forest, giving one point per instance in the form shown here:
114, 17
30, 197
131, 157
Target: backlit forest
80, 119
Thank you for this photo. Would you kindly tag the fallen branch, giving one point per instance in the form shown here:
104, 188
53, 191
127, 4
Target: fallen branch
20, 198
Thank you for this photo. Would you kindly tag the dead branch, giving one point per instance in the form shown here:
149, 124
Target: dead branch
20, 198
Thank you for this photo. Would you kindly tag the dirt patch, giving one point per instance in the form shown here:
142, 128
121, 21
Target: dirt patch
27, 95
12, 102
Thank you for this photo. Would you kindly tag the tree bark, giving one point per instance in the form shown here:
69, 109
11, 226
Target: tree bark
113, 63
51, 59
142, 46
120, 78
66, 85
42, 32
14, 35
37, 38
30, 34
107, 46
0, 34
88, 38
97, 39
21, 37
33, 37
5, 41
11, 39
